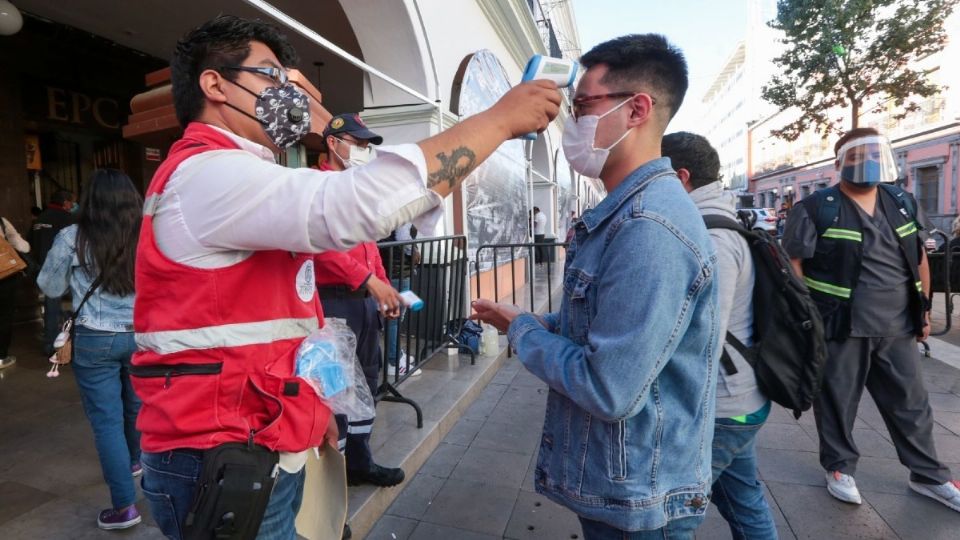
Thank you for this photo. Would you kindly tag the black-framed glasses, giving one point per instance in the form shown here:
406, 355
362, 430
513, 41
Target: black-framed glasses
278, 75
586, 101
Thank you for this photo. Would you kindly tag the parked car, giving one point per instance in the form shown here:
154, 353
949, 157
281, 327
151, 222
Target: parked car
764, 219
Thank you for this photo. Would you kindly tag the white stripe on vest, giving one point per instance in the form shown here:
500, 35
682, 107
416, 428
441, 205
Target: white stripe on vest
226, 335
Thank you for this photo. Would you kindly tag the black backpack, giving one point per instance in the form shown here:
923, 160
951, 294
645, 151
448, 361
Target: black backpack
789, 350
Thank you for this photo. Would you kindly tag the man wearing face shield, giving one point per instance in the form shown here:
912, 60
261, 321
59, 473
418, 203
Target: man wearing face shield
225, 288
353, 286
858, 247
631, 357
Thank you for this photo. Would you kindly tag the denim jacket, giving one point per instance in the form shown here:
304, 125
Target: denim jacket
103, 311
630, 359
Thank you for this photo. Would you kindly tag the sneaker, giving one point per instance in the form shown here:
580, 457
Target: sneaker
947, 493
8, 361
405, 361
377, 475
136, 470
843, 487
118, 519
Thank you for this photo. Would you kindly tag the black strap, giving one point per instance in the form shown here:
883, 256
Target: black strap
722, 222
93, 286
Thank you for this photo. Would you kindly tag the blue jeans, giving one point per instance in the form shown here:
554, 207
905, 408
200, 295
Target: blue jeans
680, 529
170, 480
101, 367
737, 492
393, 325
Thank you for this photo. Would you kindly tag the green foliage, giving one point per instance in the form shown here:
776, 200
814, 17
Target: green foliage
842, 52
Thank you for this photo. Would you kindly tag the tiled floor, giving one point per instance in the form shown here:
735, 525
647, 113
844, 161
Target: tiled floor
478, 484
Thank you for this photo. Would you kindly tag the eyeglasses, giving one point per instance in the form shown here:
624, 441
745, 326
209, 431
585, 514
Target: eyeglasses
278, 75
587, 101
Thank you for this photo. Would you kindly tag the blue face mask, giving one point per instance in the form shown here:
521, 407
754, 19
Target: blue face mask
863, 174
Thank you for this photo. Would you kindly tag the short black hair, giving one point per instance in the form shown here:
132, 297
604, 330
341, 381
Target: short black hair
536, 208
224, 41
692, 152
643, 58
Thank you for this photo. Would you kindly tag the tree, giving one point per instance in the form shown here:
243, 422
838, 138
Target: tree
840, 53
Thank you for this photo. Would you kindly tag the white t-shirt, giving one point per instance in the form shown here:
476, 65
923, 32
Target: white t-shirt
539, 223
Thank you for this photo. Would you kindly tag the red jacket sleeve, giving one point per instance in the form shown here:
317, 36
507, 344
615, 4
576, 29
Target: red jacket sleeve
377, 262
338, 268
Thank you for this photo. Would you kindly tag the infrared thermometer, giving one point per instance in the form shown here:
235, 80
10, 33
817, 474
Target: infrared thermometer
559, 70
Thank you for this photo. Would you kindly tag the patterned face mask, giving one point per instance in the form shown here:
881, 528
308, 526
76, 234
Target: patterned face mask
283, 111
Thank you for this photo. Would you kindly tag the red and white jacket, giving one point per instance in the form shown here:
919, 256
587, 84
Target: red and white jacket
215, 359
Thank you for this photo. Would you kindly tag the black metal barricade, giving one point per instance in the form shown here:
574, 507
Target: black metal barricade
944, 278
503, 253
435, 269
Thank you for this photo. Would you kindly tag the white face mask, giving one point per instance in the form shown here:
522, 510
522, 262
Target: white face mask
578, 140
358, 156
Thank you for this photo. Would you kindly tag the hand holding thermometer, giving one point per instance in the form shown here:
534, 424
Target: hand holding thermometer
559, 70
411, 300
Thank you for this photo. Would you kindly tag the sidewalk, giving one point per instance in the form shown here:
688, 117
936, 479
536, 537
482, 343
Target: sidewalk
478, 484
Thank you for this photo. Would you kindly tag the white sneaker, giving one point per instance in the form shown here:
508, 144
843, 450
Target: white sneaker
403, 362
8, 361
947, 493
843, 487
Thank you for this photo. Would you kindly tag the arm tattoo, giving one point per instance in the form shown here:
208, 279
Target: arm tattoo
453, 167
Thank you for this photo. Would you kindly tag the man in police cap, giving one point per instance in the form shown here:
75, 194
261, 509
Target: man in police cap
858, 248
353, 286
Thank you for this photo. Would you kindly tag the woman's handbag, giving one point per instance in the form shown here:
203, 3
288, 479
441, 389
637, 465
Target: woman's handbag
63, 345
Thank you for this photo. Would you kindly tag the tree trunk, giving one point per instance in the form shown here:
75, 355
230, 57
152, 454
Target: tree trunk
854, 114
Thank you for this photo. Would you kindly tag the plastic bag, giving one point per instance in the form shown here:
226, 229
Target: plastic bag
327, 360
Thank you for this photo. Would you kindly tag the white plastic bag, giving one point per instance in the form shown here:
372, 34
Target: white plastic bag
327, 360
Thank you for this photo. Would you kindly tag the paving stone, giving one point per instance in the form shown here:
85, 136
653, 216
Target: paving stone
417, 497
432, 531
882, 475
443, 460
780, 415
464, 431
391, 527
915, 516
814, 514
510, 437
948, 447
536, 517
492, 467
790, 467
17, 499
485, 403
945, 402
785, 437
481, 508
528, 484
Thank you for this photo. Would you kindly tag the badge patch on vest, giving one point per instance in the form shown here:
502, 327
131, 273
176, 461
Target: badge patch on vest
306, 286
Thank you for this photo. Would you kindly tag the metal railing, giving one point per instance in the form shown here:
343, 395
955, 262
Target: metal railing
538, 254
435, 269
944, 278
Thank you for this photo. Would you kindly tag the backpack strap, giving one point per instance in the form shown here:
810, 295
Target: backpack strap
904, 200
826, 208
723, 222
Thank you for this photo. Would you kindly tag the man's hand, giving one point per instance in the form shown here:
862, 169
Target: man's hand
496, 314
926, 327
319, 115
332, 435
388, 299
528, 107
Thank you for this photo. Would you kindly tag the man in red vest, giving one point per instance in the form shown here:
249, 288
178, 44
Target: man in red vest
225, 277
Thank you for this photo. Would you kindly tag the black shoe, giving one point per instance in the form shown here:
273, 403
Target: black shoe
347, 533
377, 475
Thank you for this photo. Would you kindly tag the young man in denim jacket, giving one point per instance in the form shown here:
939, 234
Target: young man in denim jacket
631, 357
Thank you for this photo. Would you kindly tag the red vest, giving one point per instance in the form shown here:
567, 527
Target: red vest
215, 359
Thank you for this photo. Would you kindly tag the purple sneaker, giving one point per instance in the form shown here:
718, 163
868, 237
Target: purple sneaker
136, 470
118, 519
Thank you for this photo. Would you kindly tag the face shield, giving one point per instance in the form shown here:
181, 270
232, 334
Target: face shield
867, 161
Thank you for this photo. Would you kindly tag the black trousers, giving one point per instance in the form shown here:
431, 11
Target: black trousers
540, 252
364, 319
8, 292
889, 368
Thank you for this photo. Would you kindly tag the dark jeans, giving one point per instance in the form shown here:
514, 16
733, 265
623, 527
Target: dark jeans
101, 366
679, 529
52, 322
889, 368
363, 318
540, 252
737, 492
169, 481
8, 291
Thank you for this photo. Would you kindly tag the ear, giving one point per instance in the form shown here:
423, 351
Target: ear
211, 84
641, 109
684, 176
836, 165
